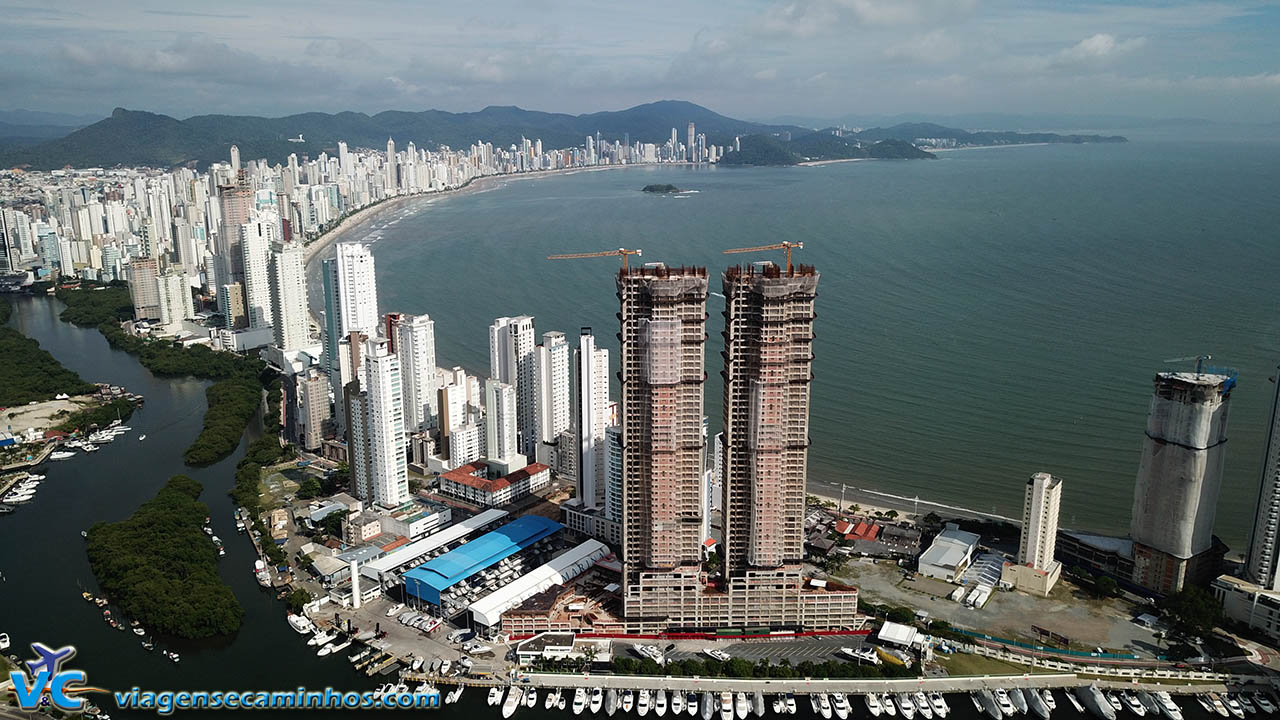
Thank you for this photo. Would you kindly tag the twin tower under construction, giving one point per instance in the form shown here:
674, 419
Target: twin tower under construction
767, 371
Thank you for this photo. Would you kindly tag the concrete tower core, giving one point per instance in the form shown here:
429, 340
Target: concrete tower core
1176, 493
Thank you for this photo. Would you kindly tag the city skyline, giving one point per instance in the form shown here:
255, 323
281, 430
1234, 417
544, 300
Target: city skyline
759, 59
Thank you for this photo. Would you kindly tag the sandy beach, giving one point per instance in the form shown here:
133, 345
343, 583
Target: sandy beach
870, 502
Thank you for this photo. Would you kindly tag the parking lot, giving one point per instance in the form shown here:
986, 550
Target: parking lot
795, 651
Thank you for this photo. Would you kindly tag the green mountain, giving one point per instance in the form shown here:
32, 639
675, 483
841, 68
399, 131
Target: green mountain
132, 137
761, 150
909, 132
768, 150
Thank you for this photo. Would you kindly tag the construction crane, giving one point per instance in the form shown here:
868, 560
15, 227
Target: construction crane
620, 252
1198, 358
784, 245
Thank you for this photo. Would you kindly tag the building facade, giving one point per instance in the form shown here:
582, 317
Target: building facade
591, 417
1176, 493
1263, 557
384, 425
511, 360
552, 401
414, 339
289, 297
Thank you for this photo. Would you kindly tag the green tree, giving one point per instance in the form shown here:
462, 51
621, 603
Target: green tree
297, 600
1105, 586
309, 488
901, 615
892, 514
331, 524
1192, 612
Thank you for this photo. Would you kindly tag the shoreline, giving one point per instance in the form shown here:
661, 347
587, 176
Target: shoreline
869, 501
482, 183
993, 147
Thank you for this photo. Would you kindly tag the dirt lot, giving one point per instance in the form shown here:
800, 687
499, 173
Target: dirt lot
42, 415
1089, 622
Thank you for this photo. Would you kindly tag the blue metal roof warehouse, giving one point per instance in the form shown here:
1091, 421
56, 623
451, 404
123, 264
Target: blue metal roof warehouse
431, 578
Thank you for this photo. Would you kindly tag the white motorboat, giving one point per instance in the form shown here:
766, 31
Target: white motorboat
715, 654
531, 697
4, 641
939, 704
331, 649
708, 705
740, 706
872, 703
905, 705
757, 704
1114, 701
840, 706
1262, 701
726, 706
1243, 699
495, 695
454, 695
642, 703
660, 703
1168, 707
1046, 695
886, 704
691, 703
514, 697
628, 700
1132, 704
321, 638
791, 703
677, 702
551, 699
579, 701
1019, 702
61, 455
597, 700
417, 664
394, 609
922, 705
142, 437
1233, 706
1002, 700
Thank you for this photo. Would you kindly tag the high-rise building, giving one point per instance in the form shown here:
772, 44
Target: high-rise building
289, 297
235, 160
391, 167
313, 409
500, 421
143, 272
257, 237
414, 339
1176, 493
384, 424
591, 417
663, 335
552, 399
231, 306
350, 305
689, 147
1037, 570
511, 360
768, 357
236, 205
174, 294
1263, 558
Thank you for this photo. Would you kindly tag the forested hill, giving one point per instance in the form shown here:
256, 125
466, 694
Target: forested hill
136, 138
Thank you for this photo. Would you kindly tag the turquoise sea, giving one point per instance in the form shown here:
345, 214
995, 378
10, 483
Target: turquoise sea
981, 317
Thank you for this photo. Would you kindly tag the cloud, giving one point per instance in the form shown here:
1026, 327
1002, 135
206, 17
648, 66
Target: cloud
1101, 46
766, 74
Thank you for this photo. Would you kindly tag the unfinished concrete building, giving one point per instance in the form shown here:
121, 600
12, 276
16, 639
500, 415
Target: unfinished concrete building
1176, 493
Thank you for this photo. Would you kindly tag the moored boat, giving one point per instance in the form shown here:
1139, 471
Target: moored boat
873, 704
515, 696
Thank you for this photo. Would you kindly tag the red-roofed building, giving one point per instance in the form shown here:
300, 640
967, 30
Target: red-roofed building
475, 482
843, 527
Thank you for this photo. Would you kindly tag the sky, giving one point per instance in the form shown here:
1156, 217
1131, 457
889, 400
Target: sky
754, 59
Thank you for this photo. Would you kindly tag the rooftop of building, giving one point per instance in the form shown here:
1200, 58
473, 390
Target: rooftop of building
662, 270
769, 271
476, 475
443, 572
950, 548
1122, 546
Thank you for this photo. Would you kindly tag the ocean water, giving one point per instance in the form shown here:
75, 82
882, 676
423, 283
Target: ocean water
987, 315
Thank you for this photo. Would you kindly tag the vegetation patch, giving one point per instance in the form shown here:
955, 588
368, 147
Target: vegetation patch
100, 415
160, 568
29, 373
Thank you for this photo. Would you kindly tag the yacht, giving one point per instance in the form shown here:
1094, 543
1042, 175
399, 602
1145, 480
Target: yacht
597, 700
824, 706
514, 695
691, 703
1096, 702
1243, 699
562, 701
779, 705
1148, 701
660, 703
1233, 706
394, 609
1168, 707
840, 706
1002, 701
1132, 704
61, 455
1046, 696
642, 703
321, 638
886, 704
757, 704
791, 703
922, 705
1019, 702
332, 649
677, 702
551, 699
1036, 703
708, 706
873, 704
939, 704
628, 700
741, 707
1071, 698
495, 695
610, 701
531, 697
715, 654
445, 664
726, 706
1264, 703
905, 705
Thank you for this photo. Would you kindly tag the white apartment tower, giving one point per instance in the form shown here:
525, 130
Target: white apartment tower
500, 420
591, 380
414, 338
511, 360
384, 424
289, 297
256, 240
1040, 521
1261, 560
552, 401
350, 305
175, 299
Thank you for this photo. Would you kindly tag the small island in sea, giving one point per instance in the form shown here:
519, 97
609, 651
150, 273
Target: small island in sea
661, 189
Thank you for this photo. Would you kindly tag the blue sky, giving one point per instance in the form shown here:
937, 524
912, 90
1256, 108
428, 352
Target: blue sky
747, 58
